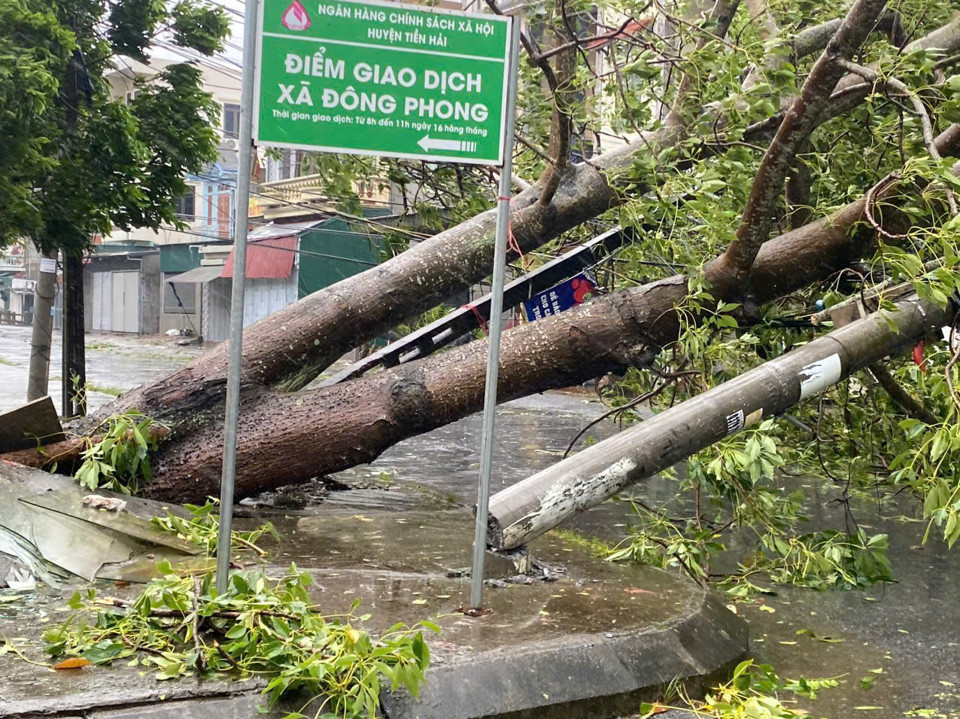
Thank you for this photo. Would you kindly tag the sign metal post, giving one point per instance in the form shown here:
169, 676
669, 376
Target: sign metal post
496, 310
232, 413
367, 77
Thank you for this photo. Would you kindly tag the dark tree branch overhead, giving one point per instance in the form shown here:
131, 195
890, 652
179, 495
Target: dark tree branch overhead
560, 80
806, 113
906, 401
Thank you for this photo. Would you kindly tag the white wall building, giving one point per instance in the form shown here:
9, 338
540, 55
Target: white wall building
208, 209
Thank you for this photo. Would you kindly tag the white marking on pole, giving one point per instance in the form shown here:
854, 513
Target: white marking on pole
817, 376
735, 422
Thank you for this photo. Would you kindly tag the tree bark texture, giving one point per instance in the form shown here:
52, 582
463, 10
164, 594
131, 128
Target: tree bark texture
286, 438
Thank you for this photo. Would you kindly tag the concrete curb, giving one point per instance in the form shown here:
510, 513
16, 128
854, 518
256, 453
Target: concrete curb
587, 675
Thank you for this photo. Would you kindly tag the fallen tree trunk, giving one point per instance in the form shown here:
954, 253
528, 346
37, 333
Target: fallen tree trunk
289, 438
290, 348
535, 505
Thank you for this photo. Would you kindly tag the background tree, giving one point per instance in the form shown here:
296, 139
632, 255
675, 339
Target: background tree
81, 163
77, 162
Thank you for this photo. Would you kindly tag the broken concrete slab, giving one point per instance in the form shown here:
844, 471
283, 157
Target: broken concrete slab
45, 524
71, 504
23, 427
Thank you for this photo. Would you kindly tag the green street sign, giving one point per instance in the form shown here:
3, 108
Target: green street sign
385, 79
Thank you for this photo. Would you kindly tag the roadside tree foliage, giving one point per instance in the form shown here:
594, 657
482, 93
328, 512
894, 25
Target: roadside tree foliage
76, 162
883, 431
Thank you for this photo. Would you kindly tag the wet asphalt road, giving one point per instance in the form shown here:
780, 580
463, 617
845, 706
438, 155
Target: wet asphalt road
115, 363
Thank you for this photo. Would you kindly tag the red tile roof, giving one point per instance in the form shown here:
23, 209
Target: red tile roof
268, 258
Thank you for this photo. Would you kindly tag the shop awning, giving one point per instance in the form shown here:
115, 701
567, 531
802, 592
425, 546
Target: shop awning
179, 258
204, 273
267, 258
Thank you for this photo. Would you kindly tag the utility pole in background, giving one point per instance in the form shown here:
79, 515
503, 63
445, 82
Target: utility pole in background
73, 358
74, 370
44, 294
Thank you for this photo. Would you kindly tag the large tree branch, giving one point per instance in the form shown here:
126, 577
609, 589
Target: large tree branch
292, 346
903, 399
721, 15
561, 117
805, 114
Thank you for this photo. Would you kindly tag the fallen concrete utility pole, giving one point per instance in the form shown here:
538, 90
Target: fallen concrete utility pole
541, 502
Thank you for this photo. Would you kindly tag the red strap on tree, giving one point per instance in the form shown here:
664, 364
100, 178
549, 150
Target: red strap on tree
512, 243
919, 355
476, 313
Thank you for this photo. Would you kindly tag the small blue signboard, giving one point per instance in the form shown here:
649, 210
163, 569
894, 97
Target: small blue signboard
567, 294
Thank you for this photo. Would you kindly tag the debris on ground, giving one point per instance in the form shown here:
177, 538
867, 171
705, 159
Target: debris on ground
109, 504
50, 529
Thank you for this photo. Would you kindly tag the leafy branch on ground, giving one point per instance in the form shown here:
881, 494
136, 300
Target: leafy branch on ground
752, 692
734, 488
179, 626
117, 454
203, 529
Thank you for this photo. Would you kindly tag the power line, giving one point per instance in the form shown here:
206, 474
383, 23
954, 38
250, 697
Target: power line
201, 58
231, 182
261, 242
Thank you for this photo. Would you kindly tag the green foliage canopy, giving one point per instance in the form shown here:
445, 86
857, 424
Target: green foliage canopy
76, 162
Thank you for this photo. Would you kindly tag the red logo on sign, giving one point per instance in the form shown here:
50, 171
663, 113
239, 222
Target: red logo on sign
295, 17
